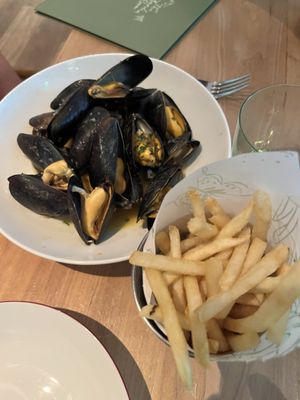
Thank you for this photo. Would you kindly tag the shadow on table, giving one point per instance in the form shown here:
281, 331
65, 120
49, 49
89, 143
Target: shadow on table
128, 369
246, 385
118, 269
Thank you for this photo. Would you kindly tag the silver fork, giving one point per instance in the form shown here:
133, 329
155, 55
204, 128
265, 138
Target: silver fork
227, 87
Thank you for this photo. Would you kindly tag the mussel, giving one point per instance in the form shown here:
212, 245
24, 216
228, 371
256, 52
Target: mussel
162, 112
117, 82
68, 92
32, 193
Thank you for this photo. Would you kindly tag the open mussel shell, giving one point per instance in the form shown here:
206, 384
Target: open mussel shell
161, 112
32, 193
117, 82
68, 91
90, 212
184, 153
39, 150
144, 145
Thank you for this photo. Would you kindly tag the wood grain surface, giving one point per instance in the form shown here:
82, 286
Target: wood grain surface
260, 37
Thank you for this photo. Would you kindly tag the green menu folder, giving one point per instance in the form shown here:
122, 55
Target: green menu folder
150, 27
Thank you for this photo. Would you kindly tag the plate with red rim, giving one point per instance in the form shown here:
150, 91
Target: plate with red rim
52, 239
45, 354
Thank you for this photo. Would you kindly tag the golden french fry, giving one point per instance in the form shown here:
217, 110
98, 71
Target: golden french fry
189, 243
263, 214
211, 248
202, 287
268, 264
162, 242
170, 278
176, 288
224, 255
237, 223
213, 346
256, 250
153, 311
224, 312
219, 220
246, 341
197, 204
175, 249
251, 299
213, 272
219, 216
275, 305
242, 311
235, 263
167, 263
283, 269
199, 336
214, 331
267, 285
202, 229
276, 332
171, 324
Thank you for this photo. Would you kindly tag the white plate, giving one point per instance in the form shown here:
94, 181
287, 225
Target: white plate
53, 239
45, 354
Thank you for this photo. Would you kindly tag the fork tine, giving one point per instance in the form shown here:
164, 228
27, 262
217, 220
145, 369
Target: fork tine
231, 81
220, 88
230, 91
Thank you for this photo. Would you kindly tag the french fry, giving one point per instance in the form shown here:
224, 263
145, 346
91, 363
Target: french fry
197, 204
177, 290
224, 255
162, 242
215, 332
153, 311
167, 263
267, 285
213, 272
202, 229
237, 223
235, 263
211, 248
268, 264
202, 287
243, 342
263, 214
219, 217
213, 346
242, 311
199, 336
256, 250
172, 326
283, 269
275, 305
189, 243
276, 332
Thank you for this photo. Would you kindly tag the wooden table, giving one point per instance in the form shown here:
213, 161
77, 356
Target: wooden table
260, 37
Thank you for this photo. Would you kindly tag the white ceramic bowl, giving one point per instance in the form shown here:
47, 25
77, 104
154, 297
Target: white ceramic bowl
53, 239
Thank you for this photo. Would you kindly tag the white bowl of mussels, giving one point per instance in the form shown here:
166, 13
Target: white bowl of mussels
91, 147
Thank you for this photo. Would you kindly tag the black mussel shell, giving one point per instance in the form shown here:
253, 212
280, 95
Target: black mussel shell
32, 193
40, 123
104, 154
157, 188
39, 150
61, 129
81, 148
67, 92
129, 72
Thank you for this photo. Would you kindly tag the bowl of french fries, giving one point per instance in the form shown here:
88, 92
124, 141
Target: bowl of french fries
218, 276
